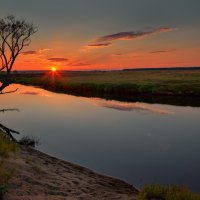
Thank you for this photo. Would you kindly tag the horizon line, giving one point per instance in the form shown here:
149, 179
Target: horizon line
123, 69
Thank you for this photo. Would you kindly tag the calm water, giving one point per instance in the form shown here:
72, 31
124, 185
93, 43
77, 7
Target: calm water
137, 142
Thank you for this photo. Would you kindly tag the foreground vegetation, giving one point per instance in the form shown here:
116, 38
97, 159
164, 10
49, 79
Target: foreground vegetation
158, 192
7, 147
153, 86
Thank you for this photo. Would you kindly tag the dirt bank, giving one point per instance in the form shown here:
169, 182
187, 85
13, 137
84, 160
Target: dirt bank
40, 177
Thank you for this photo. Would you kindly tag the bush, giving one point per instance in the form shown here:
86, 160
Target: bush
29, 141
3, 189
158, 192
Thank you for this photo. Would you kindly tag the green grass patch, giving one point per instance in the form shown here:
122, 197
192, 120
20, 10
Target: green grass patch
159, 192
173, 82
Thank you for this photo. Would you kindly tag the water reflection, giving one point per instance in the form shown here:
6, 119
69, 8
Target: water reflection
34, 93
124, 106
30, 93
7, 131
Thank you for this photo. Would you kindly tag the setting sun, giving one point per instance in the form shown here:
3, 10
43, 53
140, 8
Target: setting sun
53, 69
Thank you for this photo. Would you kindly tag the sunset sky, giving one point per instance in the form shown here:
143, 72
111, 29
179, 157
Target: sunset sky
108, 34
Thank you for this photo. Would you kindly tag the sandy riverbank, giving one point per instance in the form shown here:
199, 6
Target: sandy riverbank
40, 177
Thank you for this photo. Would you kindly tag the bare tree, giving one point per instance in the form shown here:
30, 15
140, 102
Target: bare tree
14, 36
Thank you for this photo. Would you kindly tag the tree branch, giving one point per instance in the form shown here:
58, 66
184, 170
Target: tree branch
11, 109
14, 36
8, 132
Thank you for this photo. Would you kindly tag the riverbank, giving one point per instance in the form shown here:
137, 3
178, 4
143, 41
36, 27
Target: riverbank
175, 87
40, 177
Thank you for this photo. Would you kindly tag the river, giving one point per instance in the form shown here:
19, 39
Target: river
138, 142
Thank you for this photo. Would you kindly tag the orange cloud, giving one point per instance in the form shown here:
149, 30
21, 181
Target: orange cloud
33, 52
44, 50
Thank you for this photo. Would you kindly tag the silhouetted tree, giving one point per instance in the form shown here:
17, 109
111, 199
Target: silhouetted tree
14, 36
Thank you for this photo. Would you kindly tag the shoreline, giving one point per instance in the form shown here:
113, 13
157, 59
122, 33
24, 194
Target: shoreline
39, 176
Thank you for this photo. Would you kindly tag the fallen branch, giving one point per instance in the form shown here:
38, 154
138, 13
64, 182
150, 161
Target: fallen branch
11, 109
8, 132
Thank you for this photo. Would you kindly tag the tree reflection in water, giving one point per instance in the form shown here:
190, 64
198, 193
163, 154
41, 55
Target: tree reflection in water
7, 131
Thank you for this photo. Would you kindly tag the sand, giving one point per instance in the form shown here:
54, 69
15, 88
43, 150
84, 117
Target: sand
42, 177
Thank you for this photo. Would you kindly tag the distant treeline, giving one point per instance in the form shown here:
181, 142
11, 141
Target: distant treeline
96, 71
164, 68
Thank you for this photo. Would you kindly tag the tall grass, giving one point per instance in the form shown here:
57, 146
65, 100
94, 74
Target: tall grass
174, 83
7, 147
159, 192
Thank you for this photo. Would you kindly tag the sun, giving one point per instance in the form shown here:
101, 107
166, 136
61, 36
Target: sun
53, 69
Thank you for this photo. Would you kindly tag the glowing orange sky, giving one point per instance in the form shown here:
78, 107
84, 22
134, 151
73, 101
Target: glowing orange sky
107, 61
114, 34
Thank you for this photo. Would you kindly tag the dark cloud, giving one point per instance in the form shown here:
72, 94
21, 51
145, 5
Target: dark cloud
100, 44
30, 93
29, 52
117, 54
78, 64
35, 52
163, 51
108, 39
58, 59
133, 34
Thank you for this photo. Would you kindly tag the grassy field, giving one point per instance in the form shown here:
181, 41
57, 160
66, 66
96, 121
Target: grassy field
147, 85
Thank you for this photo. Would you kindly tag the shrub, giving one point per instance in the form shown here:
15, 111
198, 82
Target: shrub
158, 192
29, 141
3, 189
